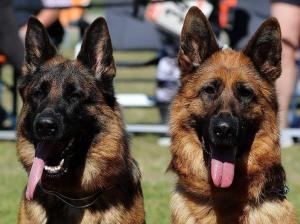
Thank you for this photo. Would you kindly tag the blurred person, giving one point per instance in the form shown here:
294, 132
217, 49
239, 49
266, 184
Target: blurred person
10, 44
48, 17
241, 18
288, 14
167, 76
74, 16
11, 47
167, 83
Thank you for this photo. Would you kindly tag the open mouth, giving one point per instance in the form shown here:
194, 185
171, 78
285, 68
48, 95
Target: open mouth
55, 169
222, 163
50, 160
222, 166
57, 165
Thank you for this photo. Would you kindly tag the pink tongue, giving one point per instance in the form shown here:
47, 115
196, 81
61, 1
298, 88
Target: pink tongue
222, 173
36, 169
34, 176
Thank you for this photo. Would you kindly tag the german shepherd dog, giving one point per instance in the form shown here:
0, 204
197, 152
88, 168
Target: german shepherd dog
225, 148
71, 138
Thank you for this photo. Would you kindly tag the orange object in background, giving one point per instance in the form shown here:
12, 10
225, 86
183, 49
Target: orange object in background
2, 59
224, 8
72, 14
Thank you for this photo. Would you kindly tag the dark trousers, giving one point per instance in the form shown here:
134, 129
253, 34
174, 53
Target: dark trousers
12, 47
10, 44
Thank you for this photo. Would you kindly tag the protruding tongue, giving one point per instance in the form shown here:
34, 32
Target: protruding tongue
222, 173
222, 169
35, 172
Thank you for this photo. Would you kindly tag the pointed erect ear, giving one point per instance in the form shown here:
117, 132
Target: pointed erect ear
264, 49
197, 42
96, 51
38, 47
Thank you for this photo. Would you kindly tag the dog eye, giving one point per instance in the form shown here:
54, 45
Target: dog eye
37, 93
41, 91
77, 95
209, 90
245, 92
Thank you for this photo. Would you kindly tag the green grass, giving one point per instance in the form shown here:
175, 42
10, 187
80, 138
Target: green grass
290, 160
157, 184
152, 160
12, 182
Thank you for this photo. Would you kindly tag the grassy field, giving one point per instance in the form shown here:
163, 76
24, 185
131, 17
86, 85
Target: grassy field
152, 158
157, 184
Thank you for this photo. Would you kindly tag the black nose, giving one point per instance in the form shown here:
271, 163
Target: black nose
224, 129
46, 127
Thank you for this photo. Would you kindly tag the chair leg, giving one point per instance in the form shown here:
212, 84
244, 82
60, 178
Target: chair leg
15, 98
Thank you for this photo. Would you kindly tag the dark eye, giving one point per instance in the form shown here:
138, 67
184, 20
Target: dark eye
245, 93
73, 92
77, 94
209, 90
37, 93
42, 91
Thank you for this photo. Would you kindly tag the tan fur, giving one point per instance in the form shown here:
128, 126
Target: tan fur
196, 199
186, 211
34, 213
107, 148
105, 168
188, 161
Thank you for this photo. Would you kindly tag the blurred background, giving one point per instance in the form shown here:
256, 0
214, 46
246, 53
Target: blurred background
145, 36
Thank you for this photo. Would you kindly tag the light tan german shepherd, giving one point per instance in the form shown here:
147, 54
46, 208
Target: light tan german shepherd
225, 147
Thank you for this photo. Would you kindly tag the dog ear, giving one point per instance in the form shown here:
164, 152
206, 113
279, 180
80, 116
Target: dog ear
96, 51
197, 42
264, 49
38, 47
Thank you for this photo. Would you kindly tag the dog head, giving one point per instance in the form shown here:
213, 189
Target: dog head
225, 95
65, 104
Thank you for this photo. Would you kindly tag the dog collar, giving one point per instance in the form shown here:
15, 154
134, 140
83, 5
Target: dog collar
280, 192
78, 203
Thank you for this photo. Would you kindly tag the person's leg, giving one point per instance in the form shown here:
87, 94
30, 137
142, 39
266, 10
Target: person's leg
288, 16
12, 47
10, 43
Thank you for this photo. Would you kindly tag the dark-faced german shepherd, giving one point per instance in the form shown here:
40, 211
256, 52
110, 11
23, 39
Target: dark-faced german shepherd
225, 148
71, 137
